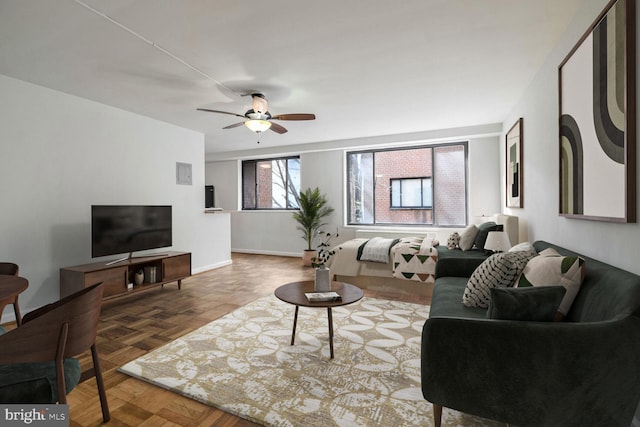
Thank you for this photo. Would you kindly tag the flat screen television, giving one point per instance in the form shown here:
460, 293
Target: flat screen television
119, 229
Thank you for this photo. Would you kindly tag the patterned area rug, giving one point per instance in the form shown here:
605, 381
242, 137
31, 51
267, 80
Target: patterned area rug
243, 363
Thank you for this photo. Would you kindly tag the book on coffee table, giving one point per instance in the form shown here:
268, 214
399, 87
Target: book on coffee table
323, 296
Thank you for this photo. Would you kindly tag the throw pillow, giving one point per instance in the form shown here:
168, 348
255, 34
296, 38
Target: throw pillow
524, 247
468, 237
453, 241
498, 271
548, 252
551, 270
483, 232
536, 304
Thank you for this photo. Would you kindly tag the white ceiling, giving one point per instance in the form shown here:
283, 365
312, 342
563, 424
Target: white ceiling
364, 68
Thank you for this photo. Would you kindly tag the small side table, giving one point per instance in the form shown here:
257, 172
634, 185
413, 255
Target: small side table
294, 293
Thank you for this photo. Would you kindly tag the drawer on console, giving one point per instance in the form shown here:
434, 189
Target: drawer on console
114, 280
176, 267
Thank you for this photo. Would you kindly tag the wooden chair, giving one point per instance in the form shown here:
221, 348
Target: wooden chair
12, 269
47, 341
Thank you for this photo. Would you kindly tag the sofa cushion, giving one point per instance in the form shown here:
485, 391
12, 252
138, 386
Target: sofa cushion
537, 304
458, 263
550, 268
468, 237
498, 271
445, 301
35, 382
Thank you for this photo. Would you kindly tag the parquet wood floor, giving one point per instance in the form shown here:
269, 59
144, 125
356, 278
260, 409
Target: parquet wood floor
134, 325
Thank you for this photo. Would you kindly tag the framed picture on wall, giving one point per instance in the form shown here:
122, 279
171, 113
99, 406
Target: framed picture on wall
514, 165
597, 95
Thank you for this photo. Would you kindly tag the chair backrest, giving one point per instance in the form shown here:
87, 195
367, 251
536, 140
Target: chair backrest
37, 339
9, 268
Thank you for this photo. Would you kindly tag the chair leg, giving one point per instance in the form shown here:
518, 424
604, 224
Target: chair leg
61, 388
437, 415
101, 391
16, 310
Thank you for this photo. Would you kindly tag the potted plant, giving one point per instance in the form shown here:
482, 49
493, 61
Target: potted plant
313, 208
325, 252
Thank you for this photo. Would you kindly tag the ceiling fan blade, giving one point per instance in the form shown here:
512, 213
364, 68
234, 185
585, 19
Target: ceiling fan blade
235, 125
277, 128
298, 116
221, 112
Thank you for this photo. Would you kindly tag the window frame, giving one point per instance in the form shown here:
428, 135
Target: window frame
289, 206
348, 184
401, 180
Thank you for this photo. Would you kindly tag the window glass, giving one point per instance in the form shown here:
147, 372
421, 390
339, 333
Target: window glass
360, 184
411, 193
249, 185
271, 183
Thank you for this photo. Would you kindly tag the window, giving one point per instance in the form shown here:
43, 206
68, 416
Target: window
411, 193
413, 186
271, 183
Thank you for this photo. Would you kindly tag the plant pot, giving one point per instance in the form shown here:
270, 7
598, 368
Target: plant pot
307, 256
323, 279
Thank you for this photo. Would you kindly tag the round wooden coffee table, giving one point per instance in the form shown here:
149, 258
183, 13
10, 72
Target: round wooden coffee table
294, 293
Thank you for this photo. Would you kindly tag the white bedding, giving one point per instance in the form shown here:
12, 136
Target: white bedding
377, 249
414, 258
345, 263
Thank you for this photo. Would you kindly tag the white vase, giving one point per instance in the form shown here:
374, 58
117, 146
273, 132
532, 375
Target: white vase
323, 279
139, 277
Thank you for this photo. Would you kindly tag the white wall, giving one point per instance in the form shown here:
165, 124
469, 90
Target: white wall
60, 154
274, 232
613, 243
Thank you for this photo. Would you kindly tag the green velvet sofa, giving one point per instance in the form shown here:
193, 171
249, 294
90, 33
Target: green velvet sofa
582, 371
458, 263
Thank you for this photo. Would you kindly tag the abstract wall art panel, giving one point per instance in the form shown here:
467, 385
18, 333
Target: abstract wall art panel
513, 150
597, 120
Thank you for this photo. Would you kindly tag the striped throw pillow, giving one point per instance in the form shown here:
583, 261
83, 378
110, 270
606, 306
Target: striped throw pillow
498, 271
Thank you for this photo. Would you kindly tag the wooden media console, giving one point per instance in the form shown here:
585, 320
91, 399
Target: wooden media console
168, 267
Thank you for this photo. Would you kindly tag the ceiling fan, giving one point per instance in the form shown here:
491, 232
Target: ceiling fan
258, 119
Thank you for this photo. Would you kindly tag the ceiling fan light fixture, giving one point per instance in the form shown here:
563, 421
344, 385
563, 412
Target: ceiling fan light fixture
257, 125
259, 104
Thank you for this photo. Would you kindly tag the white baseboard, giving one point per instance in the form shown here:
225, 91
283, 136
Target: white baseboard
212, 266
261, 252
